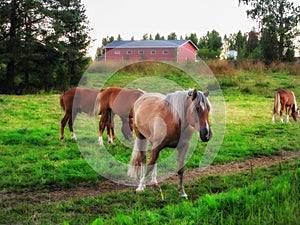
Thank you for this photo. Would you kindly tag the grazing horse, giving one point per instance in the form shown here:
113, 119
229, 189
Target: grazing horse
285, 99
84, 102
120, 101
167, 121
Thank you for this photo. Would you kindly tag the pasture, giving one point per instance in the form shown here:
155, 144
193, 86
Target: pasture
42, 177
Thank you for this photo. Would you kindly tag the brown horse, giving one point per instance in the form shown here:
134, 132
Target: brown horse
285, 99
120, 101
167, 121
84, 102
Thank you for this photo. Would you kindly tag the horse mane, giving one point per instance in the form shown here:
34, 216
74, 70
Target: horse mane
176, 101
295, 103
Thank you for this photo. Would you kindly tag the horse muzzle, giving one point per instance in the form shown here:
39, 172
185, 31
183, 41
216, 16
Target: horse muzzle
205, 134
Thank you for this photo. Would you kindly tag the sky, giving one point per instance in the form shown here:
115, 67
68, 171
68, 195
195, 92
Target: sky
134, 18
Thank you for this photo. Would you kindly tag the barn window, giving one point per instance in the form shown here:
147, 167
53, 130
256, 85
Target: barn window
165, 52
129, 52
152, 52
141, 52
117, 52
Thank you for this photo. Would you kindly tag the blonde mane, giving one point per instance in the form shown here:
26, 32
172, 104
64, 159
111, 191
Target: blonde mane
296, 107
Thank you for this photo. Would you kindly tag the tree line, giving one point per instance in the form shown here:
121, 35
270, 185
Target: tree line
43, 44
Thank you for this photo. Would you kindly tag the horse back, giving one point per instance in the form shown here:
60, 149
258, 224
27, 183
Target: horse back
119, 100
66, 99
286, 98
80, 99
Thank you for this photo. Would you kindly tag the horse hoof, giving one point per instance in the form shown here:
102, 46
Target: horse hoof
140, 189
184, 195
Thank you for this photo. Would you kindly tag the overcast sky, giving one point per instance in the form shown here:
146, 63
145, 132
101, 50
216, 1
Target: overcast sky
137, 17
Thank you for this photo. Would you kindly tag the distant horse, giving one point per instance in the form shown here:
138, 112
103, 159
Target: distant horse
120, 101
84, 102
285, 99
167, 121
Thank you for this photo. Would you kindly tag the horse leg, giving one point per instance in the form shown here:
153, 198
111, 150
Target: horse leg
127, 128
281, 112
274, 114
181, 155
154, 175
101, 129
110, 125
71, 121
112, 130
63, 125
288, 109
138, 160
151, 166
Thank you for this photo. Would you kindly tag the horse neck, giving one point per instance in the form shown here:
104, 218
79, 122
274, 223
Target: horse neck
177, 102
294, 107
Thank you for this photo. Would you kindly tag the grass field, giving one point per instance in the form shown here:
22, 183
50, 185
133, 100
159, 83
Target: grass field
33, 159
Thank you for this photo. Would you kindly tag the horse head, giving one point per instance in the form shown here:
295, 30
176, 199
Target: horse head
295, 114
198, 113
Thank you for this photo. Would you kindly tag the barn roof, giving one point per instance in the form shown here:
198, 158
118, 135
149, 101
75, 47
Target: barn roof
149, 44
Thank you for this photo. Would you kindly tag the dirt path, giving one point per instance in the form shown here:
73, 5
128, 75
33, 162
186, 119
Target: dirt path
10, 199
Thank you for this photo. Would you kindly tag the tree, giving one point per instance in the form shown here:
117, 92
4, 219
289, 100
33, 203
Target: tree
253, 47
172, 36
37, 39
278, 18
269, 45
210, 46
193, 37
146, 36
105, 41
158, 37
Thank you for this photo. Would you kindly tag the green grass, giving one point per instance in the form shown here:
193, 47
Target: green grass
268, 196
33, 158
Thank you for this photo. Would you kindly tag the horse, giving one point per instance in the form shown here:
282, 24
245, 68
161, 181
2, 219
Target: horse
120, 101
167, 121
285, 99
84, 102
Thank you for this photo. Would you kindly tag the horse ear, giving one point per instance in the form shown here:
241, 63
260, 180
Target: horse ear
206, 93
192, 93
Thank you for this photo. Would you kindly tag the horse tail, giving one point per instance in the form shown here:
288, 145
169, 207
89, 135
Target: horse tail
61, 100
295, 103
277, 103
138, 157
97, 105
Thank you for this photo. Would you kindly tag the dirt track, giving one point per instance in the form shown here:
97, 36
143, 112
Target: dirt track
10, 199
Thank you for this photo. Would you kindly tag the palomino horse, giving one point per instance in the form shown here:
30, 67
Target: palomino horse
167, 121
84, 102
285, 99
120, 101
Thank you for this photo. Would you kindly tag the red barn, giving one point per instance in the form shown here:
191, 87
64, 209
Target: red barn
154, 50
